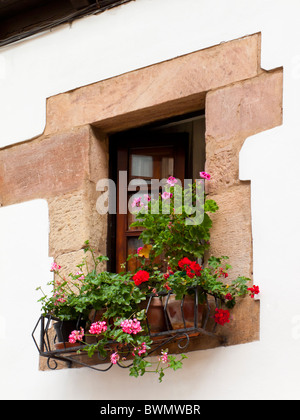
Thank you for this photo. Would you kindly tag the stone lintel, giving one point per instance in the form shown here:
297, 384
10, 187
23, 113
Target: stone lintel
143, 95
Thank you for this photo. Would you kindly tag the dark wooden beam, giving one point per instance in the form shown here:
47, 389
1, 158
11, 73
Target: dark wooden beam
79, 4
21, 19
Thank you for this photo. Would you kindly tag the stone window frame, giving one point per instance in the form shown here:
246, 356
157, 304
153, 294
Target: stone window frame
64, 164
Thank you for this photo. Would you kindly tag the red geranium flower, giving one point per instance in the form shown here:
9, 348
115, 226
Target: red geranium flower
140, 277
191, 267
221, 272
184, 262
196, 268
254, 290
221, 316
167, 286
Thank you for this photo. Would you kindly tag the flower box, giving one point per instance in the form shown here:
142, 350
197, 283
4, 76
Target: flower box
49, 330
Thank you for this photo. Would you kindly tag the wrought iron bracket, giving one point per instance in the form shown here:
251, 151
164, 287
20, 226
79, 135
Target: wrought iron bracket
45, 338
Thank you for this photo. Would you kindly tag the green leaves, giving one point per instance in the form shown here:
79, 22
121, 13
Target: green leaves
212, 280
139, 366
174, 363
210, 206
88, 289
182, 232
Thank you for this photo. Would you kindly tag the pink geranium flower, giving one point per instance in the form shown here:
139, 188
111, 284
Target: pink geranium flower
60, 297
165, 195
136, 202
172, 181
114, 358
204, 175
76, 335
141, 349
98, 327
164, 356
80, 273
55, 267
131, 326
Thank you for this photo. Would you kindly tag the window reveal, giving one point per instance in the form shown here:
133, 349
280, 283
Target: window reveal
175, 149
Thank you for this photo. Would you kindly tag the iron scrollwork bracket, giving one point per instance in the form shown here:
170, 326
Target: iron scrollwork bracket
46, 343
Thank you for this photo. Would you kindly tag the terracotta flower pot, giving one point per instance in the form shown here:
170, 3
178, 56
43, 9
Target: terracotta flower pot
95, 316
177, 314
65, 345
155, 315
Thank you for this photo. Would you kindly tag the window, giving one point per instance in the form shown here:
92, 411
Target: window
175, 148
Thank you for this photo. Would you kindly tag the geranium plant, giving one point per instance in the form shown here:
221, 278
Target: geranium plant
181, 237
62, 302
121, 332
210, 279
130, 346
176, 224
90, 288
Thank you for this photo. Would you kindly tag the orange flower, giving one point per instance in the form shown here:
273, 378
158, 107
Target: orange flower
144, 251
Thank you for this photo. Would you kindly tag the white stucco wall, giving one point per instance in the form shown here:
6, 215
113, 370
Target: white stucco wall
125, 38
